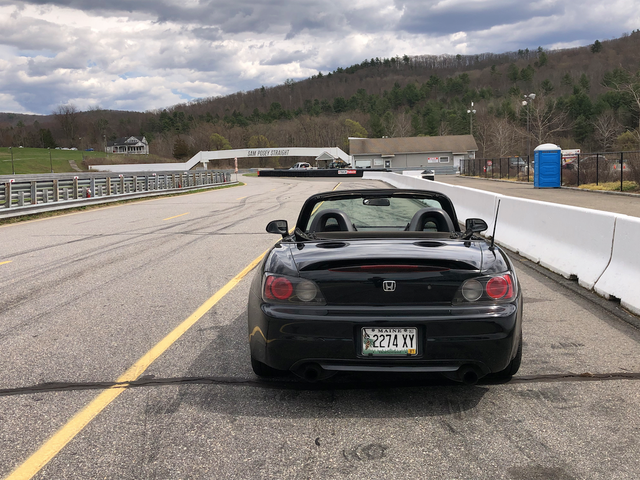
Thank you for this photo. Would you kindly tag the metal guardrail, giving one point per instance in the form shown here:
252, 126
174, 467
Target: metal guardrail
34, 192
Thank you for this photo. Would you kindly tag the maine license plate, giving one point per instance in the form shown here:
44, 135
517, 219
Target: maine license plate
389, 341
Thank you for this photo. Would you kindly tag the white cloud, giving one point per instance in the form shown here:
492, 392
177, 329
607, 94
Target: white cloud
151, 54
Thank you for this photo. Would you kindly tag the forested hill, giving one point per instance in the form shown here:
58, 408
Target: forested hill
586, 97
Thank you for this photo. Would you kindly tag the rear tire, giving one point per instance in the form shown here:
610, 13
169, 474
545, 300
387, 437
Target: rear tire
513, 366
264, 370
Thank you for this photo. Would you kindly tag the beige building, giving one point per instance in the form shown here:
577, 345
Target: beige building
441, 153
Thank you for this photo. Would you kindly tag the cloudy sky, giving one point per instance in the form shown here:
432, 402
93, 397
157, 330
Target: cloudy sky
149, 54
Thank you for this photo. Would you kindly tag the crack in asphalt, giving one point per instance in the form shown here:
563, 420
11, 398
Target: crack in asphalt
288, 384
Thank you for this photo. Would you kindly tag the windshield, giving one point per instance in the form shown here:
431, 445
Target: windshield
369, 214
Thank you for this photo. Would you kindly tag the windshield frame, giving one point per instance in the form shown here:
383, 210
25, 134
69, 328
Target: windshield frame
310, 204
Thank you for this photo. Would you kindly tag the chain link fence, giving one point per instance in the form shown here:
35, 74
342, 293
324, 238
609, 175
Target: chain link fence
584, 168
509, 168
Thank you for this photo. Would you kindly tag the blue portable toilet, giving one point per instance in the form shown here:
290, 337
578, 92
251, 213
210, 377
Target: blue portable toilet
547, 161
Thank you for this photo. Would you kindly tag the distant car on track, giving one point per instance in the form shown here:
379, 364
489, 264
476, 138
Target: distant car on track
384, 281
301, 166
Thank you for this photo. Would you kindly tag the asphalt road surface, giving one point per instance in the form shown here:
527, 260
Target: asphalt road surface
86, 296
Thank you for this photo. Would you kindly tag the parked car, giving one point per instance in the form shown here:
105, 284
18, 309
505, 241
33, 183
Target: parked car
300, 166
384, 281
339, 164
517, 162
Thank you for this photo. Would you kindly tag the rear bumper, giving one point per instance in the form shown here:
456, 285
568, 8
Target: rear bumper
287, 338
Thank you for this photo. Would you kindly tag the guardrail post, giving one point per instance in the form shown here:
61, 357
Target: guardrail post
56, 192
146, 183
34, 194
121, 183
45, 195
75, 188
21, 199
92, 186
7, 195
108, 185
135, 184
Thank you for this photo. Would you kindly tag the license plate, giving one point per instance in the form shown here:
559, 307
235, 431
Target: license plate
390, 341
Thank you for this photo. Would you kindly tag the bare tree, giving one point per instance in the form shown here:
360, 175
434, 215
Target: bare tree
503, 137
67, 116
403, 125
546, 119
606, 129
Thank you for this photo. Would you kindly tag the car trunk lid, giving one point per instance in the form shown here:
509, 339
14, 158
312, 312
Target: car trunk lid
397, 272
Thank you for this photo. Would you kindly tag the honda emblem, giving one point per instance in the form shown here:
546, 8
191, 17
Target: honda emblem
389, 286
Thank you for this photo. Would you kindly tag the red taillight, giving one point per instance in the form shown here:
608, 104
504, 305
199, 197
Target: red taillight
278, 287
500, 287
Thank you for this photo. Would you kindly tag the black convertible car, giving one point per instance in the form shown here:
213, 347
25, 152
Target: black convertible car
384, 281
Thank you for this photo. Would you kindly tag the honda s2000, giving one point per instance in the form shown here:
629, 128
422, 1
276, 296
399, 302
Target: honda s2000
384, 281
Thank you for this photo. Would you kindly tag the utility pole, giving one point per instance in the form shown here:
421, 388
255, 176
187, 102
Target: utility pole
527, 101
471, 112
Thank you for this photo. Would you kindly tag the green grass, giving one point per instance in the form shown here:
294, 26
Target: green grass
36, 160
627, 186
249, 174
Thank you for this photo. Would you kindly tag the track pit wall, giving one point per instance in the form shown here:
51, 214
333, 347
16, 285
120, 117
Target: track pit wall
598, 248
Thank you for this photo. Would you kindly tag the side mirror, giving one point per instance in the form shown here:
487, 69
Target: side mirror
475, 225
278, 226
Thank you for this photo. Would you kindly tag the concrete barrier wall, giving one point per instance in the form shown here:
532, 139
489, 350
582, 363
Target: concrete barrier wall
621, 279
571, 241
598, 248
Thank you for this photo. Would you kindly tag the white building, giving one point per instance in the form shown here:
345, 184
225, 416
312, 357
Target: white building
129, 145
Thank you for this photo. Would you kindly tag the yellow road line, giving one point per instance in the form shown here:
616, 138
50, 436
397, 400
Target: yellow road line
4, 263
52, 447
176, 216
241, 198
